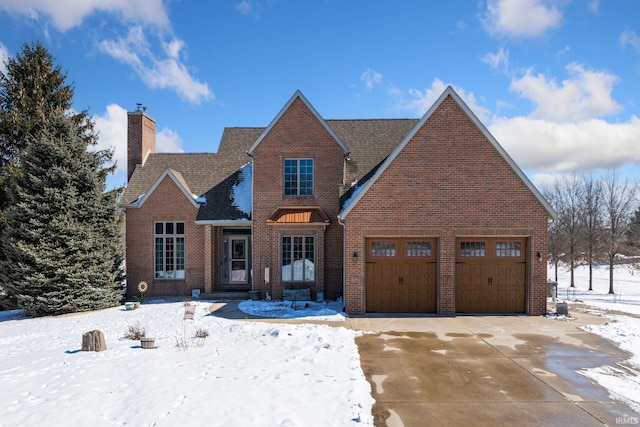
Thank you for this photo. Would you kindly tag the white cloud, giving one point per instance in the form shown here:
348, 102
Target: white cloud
565, 132
4, 58
418, 102
497, 60
630, 38
586, 95
168, 141
521, 18
371, 78
112, 133
581, 146
249, 8
594, 6
68, 14
156, 72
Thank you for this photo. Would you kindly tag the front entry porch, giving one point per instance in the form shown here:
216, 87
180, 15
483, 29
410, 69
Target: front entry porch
234, 261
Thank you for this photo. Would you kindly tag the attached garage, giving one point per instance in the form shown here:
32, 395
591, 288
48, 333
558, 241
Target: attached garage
451, 180
401, 275
491, 275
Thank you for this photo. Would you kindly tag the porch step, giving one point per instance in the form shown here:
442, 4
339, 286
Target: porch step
226, 295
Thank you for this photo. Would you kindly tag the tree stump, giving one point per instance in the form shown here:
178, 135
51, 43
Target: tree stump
93, 341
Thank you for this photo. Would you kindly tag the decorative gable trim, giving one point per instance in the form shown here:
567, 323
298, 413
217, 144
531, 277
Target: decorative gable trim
296, 95
180, 182
449, 91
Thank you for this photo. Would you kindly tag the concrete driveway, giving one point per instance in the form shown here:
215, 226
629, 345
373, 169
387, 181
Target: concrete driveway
488, 370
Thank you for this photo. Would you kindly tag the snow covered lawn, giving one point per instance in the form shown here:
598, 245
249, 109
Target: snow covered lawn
623, 328
244, 373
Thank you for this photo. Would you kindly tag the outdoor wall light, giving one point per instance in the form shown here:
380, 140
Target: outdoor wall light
539, 255
355, 257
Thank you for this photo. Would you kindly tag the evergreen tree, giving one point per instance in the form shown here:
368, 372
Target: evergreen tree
32, 90
62, 244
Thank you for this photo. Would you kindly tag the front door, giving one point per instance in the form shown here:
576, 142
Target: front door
236, 263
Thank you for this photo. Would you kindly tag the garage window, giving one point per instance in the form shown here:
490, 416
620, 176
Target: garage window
507, 249
472, 249
419, 249
383, 249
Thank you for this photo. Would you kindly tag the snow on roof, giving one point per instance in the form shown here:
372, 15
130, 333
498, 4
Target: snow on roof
241, 193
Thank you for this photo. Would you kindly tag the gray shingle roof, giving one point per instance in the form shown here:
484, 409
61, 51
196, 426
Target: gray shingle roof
201, 171
370, 141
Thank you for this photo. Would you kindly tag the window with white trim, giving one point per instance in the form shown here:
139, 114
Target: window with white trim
298, 259
298, 177
169, 250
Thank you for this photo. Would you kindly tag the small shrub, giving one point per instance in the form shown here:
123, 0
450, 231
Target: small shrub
135, 332
201, 336
202, 333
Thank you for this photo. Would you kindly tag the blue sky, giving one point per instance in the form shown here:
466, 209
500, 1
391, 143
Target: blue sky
556, 82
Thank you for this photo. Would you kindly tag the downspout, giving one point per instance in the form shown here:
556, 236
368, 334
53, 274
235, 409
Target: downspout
252, 245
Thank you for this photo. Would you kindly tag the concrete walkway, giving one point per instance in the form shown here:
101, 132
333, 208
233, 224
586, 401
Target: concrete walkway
483, 370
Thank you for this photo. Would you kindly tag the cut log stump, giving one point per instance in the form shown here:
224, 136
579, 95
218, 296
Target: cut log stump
93, 341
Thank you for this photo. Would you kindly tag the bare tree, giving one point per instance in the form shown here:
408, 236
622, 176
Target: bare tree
592, 221
555, 241
568, 197
633, 236
619, 202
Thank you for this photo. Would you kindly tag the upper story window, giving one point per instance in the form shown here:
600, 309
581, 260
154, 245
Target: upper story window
298, 177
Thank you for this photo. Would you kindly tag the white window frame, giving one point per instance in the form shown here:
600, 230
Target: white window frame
304, 272
169, 251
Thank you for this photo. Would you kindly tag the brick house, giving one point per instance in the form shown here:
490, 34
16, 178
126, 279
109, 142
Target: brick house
393, 215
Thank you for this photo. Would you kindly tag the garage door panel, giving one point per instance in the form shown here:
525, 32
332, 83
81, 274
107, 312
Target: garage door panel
468, 299
403, 280
491, 275
509, 274
378, 299
419, 274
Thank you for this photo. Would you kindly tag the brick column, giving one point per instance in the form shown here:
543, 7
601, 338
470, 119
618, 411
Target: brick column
208, 260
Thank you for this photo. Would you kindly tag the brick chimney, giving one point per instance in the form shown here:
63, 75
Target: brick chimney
141, 138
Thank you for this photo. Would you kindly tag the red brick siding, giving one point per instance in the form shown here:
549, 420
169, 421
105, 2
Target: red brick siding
297, 134
166, 203
448, 181
141, 139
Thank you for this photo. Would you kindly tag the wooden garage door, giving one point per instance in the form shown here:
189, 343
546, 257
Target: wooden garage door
401, 275
491, 275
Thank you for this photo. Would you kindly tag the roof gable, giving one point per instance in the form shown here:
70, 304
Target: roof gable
298, 95
177, 179
449, 91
